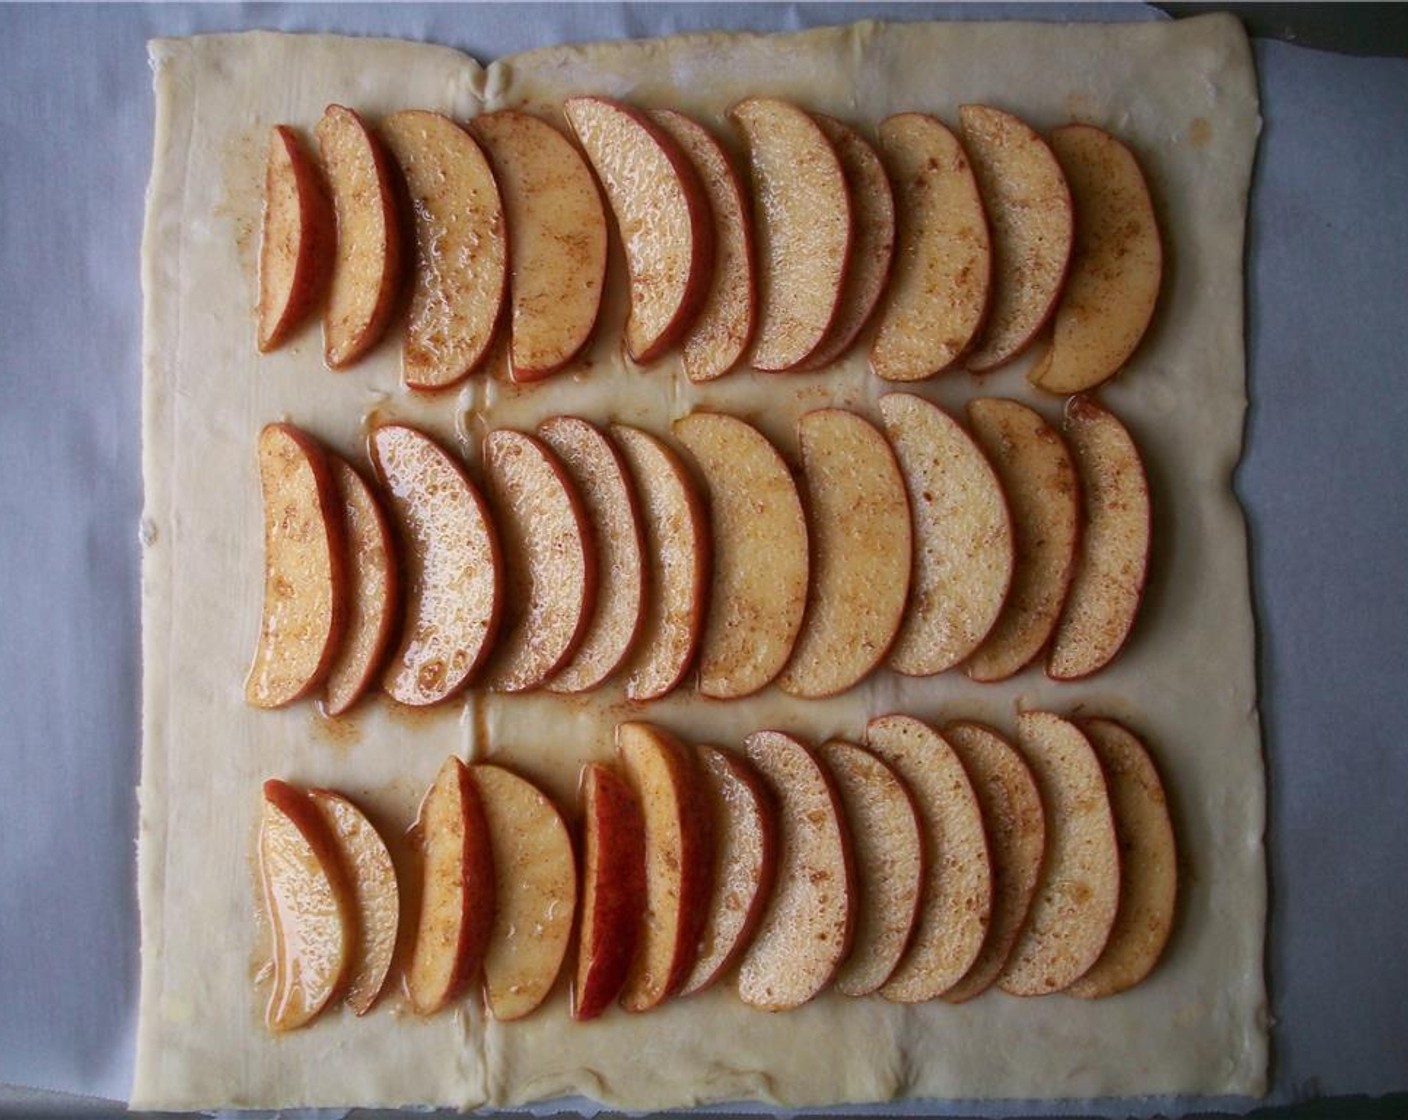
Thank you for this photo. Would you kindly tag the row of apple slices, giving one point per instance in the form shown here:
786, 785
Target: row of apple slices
601, 555
922, 865
961, 250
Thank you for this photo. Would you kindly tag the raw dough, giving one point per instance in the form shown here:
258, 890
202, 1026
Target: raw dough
1183, 94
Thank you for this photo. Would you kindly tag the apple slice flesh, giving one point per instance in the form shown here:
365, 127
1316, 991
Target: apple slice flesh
309, 907
305, 569
662, 215
1029, 210
745, 863
1078, 893
613, 515
557, 240
296, 247
803, 226
677, 547
376, 894
613, 889
807, 928
549, 560
1116, 268
373, 593
889, 855
943, 257
460, 247
679, 861
716, 341
1043, 494
368, 259
1016, 832
956, 903
457, 891
760, 558
451, 562
1148, 863
963, 549
1114, 548
535, 885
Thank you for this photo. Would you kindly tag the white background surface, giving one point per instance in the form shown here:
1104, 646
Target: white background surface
1321, 480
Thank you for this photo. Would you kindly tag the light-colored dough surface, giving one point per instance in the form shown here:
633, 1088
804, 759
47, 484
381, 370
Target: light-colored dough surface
1182, 94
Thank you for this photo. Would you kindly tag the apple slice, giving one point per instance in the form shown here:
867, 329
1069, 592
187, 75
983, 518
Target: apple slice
1114, 548
305, 569
962, 537
1116, 267
803, 224
759, 535
613, 889
457, 891
956, 904
367, 262
535, 892
873, 245
1148, 863
373, 596
1078, 894
375, 893
451, 563
549, 559
861, 553
889, 855
613, 516
662, 215
1029, 210
677, 554
296, 248
461, 249
807, 928
1043, 494
1016, 832
557, 240
716, 341
943, 258
745, 863
312, 917
679, 861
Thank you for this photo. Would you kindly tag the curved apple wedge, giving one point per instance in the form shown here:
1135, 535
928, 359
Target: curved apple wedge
1114, 548
1078, 893
662, 215
535, 892
375, 892
457, 891
807, 928
296, 247
557, 240
367, 264
760, 558
861, 553
1043, 494
942, 277
461, 266
452, 566
962, 537
305, 569
1148, 863
613, 889
803, 226
1116, 268
679, 861
309, 904
1028, 206
956, 903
